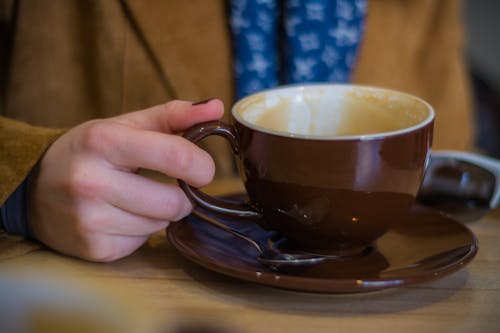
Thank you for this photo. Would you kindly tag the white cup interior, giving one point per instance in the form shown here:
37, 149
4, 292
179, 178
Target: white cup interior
333, 111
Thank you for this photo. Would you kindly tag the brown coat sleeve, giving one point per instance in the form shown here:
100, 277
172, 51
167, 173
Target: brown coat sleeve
21, 146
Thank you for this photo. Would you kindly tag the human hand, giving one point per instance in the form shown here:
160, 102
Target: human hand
87, 200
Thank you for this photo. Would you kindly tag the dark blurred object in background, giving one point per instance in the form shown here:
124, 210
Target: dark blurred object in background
463, 185
482, 21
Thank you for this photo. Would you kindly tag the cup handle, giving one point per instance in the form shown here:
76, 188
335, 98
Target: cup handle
239, 209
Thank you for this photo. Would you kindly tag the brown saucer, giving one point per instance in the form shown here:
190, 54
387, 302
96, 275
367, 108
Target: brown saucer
424, 247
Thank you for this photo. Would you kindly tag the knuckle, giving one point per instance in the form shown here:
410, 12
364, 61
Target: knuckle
175, 206
191, 163
98, 249
173, 104
89, 221
178, 156
183, 158
209, 170
203, 171
80, 183
93, 244
97, 135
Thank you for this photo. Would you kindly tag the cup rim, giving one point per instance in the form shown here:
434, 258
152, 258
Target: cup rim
363, 137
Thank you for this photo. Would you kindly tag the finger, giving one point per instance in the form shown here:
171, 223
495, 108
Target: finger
141, 196
166, 153
107, 248
174, 116
112, 220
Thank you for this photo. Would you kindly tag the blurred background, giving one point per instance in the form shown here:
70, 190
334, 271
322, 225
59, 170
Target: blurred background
482, 24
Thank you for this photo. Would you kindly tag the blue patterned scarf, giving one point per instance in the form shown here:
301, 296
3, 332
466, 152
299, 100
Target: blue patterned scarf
290, 41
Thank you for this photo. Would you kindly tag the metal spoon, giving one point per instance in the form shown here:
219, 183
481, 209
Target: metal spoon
269, 254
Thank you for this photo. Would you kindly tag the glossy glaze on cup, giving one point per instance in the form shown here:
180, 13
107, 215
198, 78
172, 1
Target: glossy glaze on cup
332, 167
333, 193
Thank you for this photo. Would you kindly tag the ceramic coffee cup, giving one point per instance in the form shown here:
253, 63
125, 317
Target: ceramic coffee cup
332, 167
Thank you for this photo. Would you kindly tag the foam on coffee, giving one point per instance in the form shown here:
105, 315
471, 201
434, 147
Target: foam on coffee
333, 111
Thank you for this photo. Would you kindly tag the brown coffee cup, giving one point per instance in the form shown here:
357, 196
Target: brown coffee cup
332, 167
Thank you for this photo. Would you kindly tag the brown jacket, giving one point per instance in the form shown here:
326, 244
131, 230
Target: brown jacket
74, 60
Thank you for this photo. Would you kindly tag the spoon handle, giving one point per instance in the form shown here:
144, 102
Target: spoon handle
230, 230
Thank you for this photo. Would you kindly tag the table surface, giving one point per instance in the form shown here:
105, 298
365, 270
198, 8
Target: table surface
170, 289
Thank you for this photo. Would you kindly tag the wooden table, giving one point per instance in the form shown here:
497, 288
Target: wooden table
165, 288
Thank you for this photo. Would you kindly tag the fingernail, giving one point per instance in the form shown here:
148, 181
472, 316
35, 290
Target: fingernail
203, 102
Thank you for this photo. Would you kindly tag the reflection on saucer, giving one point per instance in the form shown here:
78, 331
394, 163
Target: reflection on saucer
424, 247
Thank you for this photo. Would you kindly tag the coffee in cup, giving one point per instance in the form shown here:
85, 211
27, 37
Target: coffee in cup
331, 167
